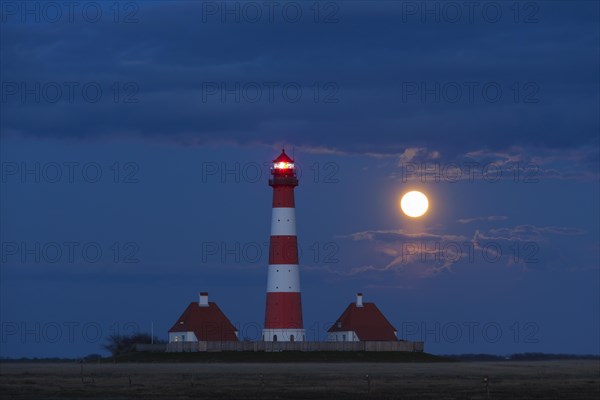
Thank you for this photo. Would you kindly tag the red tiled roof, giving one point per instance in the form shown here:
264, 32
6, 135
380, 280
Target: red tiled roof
367, 321
208, 323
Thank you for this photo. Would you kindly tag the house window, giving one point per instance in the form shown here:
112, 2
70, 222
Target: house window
291, 338
183, 338
274, 338
343, 338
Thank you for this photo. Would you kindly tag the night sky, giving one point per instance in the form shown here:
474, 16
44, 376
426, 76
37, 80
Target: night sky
137, 137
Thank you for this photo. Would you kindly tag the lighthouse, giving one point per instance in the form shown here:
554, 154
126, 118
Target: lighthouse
283, 317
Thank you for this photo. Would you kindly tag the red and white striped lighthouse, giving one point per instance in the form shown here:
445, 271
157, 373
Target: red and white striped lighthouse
283, 318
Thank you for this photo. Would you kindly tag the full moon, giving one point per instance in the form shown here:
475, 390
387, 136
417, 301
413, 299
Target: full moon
414, 204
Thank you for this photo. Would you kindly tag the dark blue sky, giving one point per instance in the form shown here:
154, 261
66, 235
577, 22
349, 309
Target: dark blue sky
178, 106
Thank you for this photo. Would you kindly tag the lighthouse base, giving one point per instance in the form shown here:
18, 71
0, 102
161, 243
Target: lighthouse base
283, 335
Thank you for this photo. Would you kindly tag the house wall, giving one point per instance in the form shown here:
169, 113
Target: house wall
182, 337
345, 336
283, 335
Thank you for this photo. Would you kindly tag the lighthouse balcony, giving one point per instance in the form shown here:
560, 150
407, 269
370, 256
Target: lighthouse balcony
283, 180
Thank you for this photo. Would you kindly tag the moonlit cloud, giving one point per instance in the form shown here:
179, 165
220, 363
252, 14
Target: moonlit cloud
490, 218
426, 254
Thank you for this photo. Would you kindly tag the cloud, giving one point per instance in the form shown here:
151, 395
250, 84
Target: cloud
419, 254
363, 91
526, 232
392, 235
532, 247
427, 254
517, 164
490, 218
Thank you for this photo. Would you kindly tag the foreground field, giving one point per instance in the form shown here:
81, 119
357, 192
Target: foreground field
462, 380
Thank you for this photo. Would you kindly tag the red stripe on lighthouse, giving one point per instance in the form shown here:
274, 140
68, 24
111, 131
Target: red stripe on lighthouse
284, 311
283, 250
283, 196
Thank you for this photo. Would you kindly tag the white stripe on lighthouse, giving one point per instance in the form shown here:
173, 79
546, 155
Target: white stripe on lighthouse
283, 278
283, 221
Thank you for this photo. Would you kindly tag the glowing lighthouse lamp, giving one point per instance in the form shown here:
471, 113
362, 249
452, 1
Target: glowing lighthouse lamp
283, 316
282, 166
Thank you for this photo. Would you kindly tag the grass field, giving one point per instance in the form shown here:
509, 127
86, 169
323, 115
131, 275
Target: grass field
567, 379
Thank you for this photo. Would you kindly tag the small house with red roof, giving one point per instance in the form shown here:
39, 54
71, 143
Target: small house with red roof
361, 322
203, 321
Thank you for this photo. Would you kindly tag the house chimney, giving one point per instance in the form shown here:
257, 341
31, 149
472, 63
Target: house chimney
203, 299
359, 302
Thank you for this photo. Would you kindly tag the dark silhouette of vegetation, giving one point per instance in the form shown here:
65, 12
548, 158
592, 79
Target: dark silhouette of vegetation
550, 356
123, 344
280, 357
523, 357
92, 358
